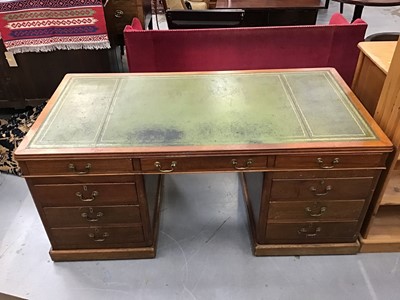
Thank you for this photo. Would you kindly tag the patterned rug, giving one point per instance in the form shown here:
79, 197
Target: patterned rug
47, 25
12, 131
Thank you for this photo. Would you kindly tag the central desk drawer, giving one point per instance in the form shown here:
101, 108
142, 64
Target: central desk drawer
85, 194
89, 216
193, 164
97, 237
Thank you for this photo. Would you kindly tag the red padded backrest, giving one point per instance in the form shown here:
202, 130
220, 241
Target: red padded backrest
333, 45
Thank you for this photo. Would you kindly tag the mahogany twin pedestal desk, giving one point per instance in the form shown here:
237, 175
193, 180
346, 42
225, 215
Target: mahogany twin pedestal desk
308, 154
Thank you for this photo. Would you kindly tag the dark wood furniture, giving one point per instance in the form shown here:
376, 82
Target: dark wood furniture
9, 90
275, 12
359, 5
37, 75
308, 154
210, 18
119, 13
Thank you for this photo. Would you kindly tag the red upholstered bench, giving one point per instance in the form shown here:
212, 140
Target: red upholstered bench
246, 48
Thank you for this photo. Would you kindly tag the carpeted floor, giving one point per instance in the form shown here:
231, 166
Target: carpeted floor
12, 131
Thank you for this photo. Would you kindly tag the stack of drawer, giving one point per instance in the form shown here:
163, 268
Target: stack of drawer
90, 204
317, 199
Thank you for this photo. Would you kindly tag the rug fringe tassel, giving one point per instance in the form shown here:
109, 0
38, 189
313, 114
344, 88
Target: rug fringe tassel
61, 46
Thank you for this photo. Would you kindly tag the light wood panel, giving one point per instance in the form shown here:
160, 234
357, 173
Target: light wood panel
392, 192
388, 109
382, 232
381, 53
384, 235
372, 68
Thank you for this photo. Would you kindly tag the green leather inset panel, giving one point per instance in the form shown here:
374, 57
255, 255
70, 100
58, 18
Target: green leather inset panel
201, 109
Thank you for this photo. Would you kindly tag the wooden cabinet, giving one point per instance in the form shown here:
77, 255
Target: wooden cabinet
315, 208
119, 13
308, 181
275, 13
381, 93
37, 75
10, 95
87, 215
372, 68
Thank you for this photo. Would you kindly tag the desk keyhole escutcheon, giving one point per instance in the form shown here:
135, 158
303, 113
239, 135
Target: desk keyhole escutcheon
246, 166
73, 169
81, 196
316, 210
310, 231
160, 168
323, 190
97, 237
330, 165
91, 216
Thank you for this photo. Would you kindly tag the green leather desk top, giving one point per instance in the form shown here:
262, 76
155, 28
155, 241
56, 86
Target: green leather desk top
223, 108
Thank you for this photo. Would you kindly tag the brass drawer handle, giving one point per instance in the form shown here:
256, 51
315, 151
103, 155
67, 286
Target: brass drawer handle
157, 164
89, 216
322, 165
328, 188
80, 196
249, 162
310, 231
98, 238
315, 214
72, 168
118, 13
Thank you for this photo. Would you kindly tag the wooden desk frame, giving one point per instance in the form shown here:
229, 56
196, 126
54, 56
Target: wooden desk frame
73, 186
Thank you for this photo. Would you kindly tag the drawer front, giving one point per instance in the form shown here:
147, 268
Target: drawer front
89, 216
327, 189
331, 161
92, 194
315, 210
97, 237
79, 166
193, 164
312, 232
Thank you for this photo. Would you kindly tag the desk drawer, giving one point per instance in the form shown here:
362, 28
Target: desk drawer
312, 232
193, 164
97, 237
92, 194
79, 166
331, 161
325, 188
315, 210
89, 216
